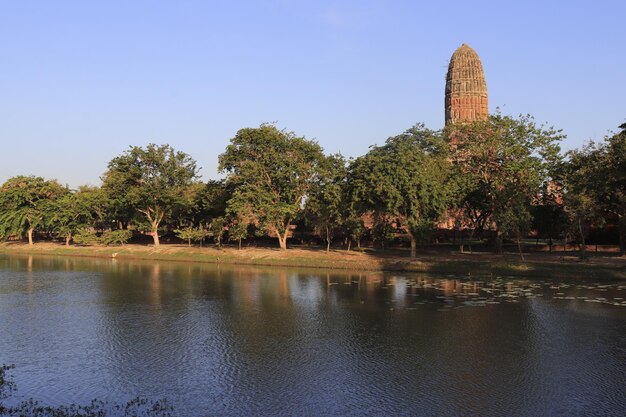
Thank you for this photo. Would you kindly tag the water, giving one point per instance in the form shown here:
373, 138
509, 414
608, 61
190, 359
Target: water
252, 341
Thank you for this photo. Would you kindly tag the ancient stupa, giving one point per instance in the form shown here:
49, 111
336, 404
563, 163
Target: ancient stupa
466, 88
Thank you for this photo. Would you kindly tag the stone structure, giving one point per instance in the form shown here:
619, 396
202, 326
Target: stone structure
466, 88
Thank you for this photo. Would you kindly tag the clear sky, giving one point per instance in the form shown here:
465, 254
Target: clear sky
80, 81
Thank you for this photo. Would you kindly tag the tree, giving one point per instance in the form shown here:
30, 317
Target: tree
216, 230
501, 164
75, 211
196, 234
26, 204
614, 190
595, 182
325, 205
405, 181
153, 182
203, 202
238, 230
354, 229
271, 172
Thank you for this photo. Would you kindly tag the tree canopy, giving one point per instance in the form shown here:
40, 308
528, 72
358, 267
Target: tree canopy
271, 171
595, 181
405, 180
26, 204
152, 181
500, 166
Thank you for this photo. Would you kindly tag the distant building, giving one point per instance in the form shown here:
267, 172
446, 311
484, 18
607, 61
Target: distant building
466, 88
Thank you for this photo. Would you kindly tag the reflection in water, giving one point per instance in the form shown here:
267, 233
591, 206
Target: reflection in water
250, 341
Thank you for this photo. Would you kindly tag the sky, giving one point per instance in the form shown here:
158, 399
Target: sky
81, 81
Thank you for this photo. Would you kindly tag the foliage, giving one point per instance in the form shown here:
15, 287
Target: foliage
500, 166
116, 237
595, 178
271, 171
86, 236
404, 181
326, 205
382, 231
217, 229
202, 202
26, 204
238, 230
153, 181
196, 234
354, 228
77, 210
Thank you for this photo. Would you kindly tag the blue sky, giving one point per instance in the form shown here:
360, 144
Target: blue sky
80, 81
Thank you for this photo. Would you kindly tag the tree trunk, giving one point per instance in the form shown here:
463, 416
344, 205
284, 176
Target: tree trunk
189, 243
499, 242
239, 243
413, 247
155, 235
519, 248
582, 239
68, 238
621, 230
327, 240
349, 244
471, 236
282, 238
282, 242
30, 236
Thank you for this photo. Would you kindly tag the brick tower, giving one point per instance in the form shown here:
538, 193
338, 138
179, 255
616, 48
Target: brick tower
466, 88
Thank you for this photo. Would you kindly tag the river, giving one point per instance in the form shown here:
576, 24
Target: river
217, 340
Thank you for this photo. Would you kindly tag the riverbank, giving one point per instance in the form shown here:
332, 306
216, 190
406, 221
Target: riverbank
451, 262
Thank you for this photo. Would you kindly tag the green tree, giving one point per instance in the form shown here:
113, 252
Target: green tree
326, 205
501, 164
614, 188
405, 181
354, 229
116, 237
196, 234
271, 172
238, 230
27, 204
75, 211
595, 182
153, 182
203, 202
217, 227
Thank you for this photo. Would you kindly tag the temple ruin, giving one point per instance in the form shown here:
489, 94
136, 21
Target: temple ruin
466, 88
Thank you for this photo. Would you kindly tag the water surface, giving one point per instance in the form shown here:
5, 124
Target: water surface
252, 341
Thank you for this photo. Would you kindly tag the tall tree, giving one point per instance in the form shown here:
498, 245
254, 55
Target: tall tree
73, 211
615, 187
326, 205
595, 181
272, 171
501, 164
26, 204
405, 180
153, 182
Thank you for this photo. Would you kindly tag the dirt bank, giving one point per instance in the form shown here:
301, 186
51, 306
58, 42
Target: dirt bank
536, 265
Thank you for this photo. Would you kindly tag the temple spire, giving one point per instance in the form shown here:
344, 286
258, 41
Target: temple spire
466, 88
